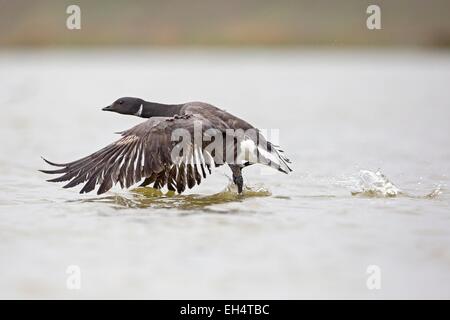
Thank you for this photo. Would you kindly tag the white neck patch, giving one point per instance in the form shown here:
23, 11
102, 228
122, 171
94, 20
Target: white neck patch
140, 110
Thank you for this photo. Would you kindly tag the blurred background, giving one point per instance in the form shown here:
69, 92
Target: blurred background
225, 23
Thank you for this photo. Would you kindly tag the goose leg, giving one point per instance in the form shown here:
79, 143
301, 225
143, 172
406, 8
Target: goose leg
237, 177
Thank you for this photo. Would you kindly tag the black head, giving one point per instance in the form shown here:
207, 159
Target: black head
126, 105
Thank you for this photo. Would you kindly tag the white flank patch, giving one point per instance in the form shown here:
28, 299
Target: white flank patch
269, 156
249, 152
140, 110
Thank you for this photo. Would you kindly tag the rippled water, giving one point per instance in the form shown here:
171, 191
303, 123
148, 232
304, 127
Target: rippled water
367, 132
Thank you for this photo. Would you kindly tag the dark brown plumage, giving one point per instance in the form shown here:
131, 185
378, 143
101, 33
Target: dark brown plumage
145, 151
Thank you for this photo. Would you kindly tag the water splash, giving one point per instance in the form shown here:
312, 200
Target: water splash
435, 193
147, 197
248, 191
374, 184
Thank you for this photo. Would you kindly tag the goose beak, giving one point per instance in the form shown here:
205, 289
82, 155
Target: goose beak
108, 108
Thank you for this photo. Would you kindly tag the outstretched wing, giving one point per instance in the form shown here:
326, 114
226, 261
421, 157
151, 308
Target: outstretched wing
144, 151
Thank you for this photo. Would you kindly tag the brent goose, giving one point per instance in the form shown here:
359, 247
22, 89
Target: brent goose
151, 150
